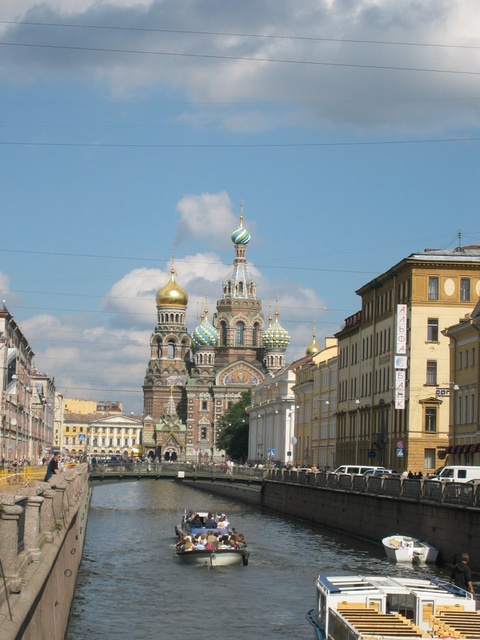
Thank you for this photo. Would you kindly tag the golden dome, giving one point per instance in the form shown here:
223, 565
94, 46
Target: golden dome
313, 349
171, 293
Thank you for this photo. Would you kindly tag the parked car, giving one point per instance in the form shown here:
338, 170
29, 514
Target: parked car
379, 472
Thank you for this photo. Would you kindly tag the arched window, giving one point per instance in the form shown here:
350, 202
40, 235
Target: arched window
255, 335
171, 349
223, 337
240, 331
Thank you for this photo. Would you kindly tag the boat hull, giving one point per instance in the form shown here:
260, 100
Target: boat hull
217, 558
407, 549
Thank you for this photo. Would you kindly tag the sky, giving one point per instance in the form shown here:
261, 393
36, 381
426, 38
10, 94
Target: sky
132, 130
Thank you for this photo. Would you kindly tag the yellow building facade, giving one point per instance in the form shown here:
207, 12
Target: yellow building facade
464, 436
394, 378
315, 406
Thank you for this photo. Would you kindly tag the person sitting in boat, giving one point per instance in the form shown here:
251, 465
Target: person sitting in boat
200, 542
210, 522
222, 522
241, 544
196, 521
212, 541
188, 544
223, 541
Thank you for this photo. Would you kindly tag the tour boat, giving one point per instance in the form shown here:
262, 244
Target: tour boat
216, 555
407, 549
379, 607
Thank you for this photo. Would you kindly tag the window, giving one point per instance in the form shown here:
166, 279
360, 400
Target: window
431, 419
67, 429
240, 330
465, 289
432, 330
74, 429
204, 405
431, 372
223, 333
433, 288
204, 433
429, 460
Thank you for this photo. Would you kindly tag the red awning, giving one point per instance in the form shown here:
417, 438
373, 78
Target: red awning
457, 448
471, 448
449, 450
477, 448
464, 448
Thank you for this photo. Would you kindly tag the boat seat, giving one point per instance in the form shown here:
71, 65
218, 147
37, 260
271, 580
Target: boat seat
351, 605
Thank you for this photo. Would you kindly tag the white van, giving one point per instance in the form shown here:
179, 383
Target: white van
355, 468
457, 473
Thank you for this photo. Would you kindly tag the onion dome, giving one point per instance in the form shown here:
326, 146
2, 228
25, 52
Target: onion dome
275, 337
172, 293
313, 348
240, 236
205, 335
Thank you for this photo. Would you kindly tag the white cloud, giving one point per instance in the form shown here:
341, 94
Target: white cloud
207, 216
312, 70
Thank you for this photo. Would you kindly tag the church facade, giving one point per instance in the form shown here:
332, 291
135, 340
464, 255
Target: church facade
192, 379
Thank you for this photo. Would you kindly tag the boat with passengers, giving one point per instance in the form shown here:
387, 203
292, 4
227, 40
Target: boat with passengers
207, 539
377, 607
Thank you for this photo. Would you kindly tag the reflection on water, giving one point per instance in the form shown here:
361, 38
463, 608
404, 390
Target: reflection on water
132, 585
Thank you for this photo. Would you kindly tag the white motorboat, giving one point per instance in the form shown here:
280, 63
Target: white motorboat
378, 607
227, 547
401, 548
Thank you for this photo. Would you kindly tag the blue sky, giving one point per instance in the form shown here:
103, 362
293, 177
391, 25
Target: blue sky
128, 129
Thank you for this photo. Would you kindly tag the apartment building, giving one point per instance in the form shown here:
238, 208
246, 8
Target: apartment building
394, 377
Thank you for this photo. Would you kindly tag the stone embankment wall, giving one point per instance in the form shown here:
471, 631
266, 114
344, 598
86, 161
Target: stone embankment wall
42, 532
449, 527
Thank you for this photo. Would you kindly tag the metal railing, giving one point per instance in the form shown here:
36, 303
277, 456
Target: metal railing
460, 493
169, 469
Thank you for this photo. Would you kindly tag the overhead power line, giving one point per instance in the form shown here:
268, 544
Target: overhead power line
279, 145
228, 34
207, 56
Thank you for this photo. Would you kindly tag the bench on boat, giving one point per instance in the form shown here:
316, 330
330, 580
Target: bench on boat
368, 620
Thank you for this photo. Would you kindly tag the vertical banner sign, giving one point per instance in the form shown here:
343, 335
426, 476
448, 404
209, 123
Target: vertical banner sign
400, 379
401, 350
11, 371
401, 329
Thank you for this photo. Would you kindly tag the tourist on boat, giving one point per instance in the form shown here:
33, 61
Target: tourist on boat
462, 575
222, 522
196, 521
241, 544
210, 522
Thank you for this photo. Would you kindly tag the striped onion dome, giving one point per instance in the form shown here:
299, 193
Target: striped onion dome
205, 335
240, 236
275, 337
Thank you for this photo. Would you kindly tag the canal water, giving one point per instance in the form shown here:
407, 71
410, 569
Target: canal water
132, 585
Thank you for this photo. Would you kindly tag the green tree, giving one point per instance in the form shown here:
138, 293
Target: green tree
233, 436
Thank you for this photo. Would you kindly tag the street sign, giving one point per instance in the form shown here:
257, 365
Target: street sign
82, 437
399, 453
